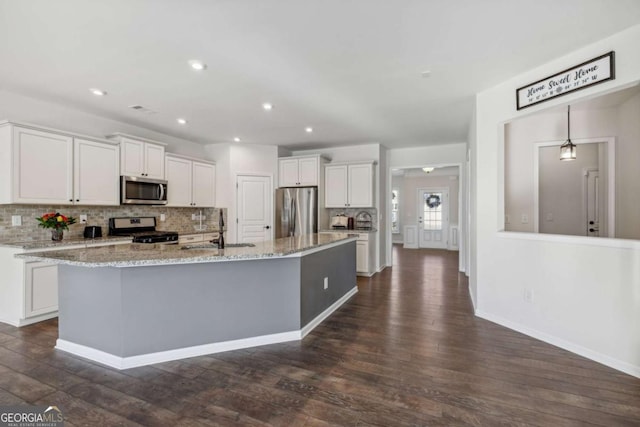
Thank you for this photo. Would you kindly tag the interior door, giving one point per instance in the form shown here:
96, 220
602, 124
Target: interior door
433, 217
254, 208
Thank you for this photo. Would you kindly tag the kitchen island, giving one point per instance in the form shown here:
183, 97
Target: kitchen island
138, 304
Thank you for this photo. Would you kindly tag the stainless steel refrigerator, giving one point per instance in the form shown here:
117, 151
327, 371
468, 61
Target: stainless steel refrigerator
296, 211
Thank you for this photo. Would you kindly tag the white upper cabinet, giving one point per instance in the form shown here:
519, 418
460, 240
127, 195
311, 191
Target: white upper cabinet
191, 182
349, 185
40, 166
96, 173
299, 171
335, 186
204, 184
140, 157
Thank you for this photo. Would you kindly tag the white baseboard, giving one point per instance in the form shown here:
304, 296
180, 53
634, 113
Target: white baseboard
29, 321
166, 356
333, 307
611, 362
198, 350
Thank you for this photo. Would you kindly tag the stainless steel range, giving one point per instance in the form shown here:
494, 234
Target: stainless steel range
141, 230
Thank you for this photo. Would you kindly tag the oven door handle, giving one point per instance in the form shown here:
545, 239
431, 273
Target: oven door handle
161, 191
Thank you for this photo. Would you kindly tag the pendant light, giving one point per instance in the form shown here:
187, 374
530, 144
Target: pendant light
568, 149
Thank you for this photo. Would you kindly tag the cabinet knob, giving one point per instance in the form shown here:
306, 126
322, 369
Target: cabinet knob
77, 200
71, 200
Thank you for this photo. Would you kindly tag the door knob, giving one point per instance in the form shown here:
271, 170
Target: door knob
591, 222
593, 230
267, 227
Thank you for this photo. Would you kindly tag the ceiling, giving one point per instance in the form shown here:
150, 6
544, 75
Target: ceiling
352, 70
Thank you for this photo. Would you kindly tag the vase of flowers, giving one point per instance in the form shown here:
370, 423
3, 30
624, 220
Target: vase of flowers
57, 223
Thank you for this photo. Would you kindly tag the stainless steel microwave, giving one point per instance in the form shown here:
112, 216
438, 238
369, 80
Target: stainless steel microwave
135, 190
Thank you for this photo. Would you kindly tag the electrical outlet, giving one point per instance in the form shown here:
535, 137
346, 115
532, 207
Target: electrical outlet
524, 219
163, 217
549, 216
326, 283
194, 217
528, 295
83, 219
507, 219
16, 220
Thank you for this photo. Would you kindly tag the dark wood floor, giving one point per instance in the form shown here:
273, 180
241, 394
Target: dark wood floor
405, 351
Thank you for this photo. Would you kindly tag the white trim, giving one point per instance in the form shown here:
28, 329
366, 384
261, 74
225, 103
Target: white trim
577, 240
198, 350
619, 365
119, 135
333, 307
30, 320
193, 159
165, 356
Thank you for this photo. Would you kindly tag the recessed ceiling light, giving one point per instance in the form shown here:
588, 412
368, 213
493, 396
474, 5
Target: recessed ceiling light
308, 129
98, 92
425, 74
197, 65
182, 121
267, 106
236, 139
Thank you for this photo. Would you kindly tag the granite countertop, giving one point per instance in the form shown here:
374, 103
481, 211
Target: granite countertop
138, 254
66, 242
328, 230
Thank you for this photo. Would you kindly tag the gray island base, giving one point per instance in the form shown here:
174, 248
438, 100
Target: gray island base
138, 315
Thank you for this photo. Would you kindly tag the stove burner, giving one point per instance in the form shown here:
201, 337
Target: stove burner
141, 230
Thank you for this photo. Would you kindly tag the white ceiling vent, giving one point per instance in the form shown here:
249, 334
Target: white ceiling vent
142, 109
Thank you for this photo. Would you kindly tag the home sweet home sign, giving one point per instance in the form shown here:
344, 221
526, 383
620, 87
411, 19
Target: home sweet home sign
594, 71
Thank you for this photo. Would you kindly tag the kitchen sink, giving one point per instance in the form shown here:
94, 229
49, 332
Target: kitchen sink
215, 246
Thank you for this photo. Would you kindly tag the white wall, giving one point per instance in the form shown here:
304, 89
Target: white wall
240, 159
22, 108
586, 292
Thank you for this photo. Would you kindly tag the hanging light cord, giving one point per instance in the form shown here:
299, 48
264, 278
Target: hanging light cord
569, 123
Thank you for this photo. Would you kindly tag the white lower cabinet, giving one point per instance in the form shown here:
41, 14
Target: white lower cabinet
366, 253
362, 257
29, 290
41, 288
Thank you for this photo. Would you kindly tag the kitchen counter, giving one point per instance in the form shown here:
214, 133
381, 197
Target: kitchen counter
139, 254
36, 244
171, 303
354, 231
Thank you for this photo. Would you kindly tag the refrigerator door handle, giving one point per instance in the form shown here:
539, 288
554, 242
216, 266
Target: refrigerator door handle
292, 223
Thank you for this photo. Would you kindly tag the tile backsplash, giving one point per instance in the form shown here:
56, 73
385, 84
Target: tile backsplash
176, 219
